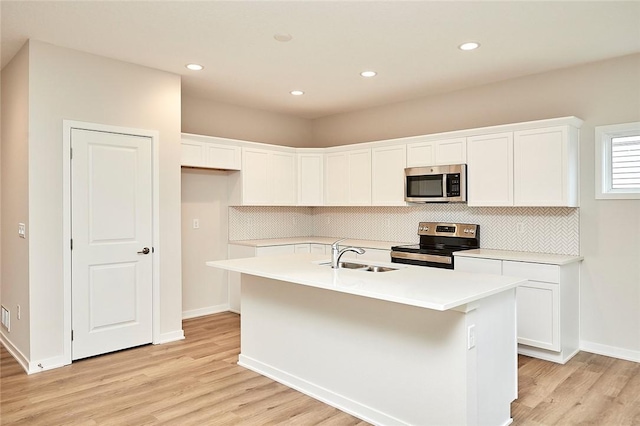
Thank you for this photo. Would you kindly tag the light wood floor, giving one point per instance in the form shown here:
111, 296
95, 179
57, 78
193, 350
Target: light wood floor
196, 382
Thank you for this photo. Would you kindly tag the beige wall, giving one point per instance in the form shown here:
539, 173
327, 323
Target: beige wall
601, 93
204, 197
14, 279
204, 117
67, 84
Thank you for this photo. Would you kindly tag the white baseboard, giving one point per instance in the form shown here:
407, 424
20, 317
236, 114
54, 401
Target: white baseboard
31, 367
216, 309
15, 353
611, 351
361, 411
172, 336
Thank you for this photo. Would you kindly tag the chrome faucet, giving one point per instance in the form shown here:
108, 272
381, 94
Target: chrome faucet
336, 253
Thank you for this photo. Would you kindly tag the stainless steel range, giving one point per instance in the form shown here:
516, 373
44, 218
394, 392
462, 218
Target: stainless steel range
438, 241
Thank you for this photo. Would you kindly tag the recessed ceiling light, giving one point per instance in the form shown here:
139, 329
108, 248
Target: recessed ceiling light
297, 92
283, 37
194, 67
469, 46
368, 73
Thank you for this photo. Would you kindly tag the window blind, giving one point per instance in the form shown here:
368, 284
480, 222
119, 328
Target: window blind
625, 162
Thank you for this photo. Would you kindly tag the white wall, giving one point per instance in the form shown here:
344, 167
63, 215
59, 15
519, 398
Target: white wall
67, 84
206, 117
205, 198
14, 276
601, 93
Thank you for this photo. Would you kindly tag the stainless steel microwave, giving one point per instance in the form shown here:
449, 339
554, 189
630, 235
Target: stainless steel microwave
436, 184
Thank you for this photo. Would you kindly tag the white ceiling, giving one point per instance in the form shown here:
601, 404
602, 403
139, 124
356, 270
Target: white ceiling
412, 45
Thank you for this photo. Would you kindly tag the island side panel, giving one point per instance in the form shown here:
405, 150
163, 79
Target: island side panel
497, 359
384, 362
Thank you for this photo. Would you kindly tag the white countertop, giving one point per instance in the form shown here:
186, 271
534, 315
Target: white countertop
432, 288
520, 256
371, 244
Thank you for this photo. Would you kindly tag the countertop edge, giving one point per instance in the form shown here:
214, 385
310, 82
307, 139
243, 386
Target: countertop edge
520, 256
230, 266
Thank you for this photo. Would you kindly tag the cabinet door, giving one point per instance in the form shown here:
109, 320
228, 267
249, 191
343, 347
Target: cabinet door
224, 157
421, 154
255, 177
359, 177
538, 308
490, 170
192, 153
451, 151
319, 249
477, 265
310, 179
282, 178
336, 188
542, 168
387, 176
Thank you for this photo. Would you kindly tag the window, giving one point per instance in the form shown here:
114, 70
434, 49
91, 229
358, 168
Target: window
618, 161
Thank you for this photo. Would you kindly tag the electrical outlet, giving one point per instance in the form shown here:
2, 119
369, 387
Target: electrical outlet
520, 228
471, 337
387, 222
196, 223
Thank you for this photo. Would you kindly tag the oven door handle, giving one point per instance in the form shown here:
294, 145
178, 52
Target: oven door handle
421, 256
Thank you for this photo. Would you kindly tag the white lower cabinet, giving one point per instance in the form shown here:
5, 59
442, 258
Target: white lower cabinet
319, 248
547, 305
538, 315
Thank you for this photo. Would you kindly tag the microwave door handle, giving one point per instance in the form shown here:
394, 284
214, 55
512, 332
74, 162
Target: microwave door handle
444, 184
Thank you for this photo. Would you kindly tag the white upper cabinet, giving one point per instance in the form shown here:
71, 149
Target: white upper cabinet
387, 175
546, 167
490, 170
268, 178
310, 178
360, 177
209, 152
437, 152
451, 151
336, 190
421, 154
532, 167
348, 178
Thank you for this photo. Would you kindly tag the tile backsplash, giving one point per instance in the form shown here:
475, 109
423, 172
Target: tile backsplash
535, 229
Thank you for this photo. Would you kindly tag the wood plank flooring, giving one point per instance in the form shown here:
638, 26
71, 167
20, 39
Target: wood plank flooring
197, 382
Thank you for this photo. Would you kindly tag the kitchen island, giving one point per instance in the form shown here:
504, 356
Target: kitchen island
419, 346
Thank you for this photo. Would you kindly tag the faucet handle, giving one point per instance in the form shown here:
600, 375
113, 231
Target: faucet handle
335, 243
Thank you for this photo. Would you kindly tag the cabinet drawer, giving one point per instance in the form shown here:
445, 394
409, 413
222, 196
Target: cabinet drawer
532, 271
275, 250
302, 248
473, 264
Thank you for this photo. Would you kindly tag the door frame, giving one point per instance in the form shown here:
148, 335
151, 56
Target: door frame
154, 135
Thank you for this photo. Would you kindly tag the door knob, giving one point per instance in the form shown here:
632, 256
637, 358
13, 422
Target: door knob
144, 251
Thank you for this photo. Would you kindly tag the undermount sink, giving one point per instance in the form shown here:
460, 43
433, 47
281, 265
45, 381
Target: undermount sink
362, 267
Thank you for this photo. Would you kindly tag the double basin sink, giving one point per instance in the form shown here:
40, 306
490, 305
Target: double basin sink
362, 267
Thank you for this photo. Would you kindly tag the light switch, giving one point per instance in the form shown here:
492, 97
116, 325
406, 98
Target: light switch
22, 230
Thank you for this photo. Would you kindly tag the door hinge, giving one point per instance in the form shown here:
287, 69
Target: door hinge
72, 335
71, 153
72, 244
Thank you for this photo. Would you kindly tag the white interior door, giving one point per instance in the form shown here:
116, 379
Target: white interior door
111, 225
